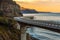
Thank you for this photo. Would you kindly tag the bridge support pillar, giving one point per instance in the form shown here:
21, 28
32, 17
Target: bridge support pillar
23, 29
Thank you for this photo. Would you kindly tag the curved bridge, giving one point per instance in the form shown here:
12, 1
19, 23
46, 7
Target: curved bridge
39, 23
28, 22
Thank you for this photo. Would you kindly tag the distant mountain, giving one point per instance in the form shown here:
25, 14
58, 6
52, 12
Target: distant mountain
45, 12
26, 10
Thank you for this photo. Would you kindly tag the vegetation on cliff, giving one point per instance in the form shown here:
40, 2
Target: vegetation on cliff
8, 30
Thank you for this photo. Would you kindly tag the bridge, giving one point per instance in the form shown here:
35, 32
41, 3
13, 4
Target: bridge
24, 22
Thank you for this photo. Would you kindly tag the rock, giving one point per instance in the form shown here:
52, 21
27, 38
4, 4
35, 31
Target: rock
8, 30
10, 8
32, 38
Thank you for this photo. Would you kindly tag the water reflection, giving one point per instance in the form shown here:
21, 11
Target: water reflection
43, 34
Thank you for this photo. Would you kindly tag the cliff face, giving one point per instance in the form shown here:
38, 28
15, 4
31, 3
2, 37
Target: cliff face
8, 30
10, 8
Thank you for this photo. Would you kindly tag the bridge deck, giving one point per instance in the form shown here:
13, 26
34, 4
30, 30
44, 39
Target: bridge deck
40, 23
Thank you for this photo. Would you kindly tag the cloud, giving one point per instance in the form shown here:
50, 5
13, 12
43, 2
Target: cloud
45, 5
41, 1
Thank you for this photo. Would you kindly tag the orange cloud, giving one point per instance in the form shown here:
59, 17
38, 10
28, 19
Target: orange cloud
43, 5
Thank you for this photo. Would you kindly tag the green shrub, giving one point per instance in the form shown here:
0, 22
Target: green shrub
7, 32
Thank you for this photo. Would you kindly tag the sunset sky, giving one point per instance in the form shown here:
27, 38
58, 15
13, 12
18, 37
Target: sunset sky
41, 5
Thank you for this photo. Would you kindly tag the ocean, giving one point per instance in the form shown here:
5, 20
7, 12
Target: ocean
44, 16
44, 34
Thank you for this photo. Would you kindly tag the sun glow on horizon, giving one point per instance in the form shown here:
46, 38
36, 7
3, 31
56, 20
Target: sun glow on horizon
41, 5
24, 0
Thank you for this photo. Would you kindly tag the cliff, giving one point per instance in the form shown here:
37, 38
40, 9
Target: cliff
8, 30
10, 8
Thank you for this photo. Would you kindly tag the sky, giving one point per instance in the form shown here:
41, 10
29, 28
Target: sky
41, 5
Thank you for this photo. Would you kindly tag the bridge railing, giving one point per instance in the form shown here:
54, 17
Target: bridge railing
24, 22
